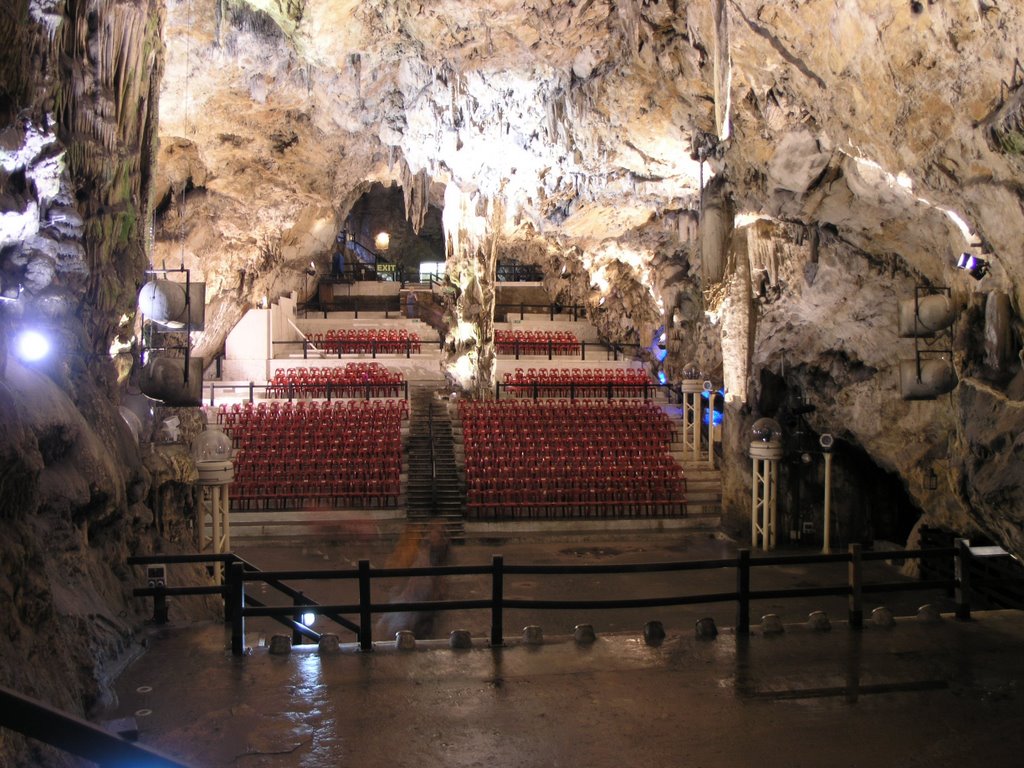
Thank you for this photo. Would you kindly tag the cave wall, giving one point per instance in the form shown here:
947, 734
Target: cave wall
79, 81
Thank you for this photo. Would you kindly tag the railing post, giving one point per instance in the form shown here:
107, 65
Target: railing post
962, 574
305, 349
236, 597
291, 392
160, 606
365, 614
497, 599
373, 349
298, 601
211, 394
497, 390
583, 350
551, 346
408, 348
252, 392
224, 593
743, 592
856, 612
328, 392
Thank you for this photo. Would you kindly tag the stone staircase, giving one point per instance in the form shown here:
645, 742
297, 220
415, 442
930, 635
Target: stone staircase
703, 481
434, 490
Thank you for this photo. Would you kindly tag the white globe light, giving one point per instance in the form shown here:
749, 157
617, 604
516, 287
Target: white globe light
308, 618
31, 346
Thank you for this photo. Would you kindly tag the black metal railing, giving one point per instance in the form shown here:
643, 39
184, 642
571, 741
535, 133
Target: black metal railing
336, 347
388, 304
239, 605
575, 390
356, 273
71, 734
551, 349
577, 311
331, 390
518, 273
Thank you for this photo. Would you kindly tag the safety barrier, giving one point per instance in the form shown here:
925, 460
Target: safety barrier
71, 734
239, 605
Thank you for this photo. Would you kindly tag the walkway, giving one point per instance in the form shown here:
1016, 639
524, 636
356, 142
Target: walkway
912, 695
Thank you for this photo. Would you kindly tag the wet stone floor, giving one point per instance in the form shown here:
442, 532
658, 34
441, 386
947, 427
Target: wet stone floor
915, 694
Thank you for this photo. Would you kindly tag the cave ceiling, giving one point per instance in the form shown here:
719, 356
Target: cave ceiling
867, 116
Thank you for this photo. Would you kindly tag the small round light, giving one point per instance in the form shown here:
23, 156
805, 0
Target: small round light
308, 618
31, 346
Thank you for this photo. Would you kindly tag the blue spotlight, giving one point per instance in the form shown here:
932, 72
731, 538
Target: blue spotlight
661, 377
717, 417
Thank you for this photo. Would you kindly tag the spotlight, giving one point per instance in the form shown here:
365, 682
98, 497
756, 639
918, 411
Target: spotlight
973, 265
308, 618
661, 377
31, 346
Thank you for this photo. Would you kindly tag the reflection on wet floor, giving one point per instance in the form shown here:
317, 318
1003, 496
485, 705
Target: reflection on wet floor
910, 694
754, 683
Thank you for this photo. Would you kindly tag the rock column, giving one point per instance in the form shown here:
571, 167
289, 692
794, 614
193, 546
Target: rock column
472, 226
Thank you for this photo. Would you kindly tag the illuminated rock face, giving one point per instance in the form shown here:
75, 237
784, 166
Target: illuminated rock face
847, 153
762, 182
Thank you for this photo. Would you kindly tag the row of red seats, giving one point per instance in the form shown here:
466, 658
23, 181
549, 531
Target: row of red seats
517, 456
354, 380
601, 419
536, 342
365, 340
577, 375
576, 382
314, 491
311, 414
301, 456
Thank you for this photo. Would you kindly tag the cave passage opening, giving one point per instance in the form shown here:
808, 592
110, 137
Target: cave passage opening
404, 254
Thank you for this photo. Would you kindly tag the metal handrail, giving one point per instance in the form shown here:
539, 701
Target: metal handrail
854, 589
578, 389
238, 606
69, 733
576, 310
331, 390
377, 347
613, 350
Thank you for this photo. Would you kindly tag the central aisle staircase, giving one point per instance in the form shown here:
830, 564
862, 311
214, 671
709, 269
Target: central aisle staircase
435, 490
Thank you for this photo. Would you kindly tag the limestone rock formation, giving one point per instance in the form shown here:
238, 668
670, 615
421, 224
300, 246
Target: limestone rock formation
759, 182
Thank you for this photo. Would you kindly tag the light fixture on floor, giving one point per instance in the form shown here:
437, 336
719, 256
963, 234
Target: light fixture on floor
973, 265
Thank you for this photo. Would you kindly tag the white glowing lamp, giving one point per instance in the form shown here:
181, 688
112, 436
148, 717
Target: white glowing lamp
382, 241
31, 346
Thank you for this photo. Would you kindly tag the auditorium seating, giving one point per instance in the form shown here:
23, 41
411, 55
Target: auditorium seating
576, 382
569, 459
354, 380
314, 453
383, 341
536, 343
